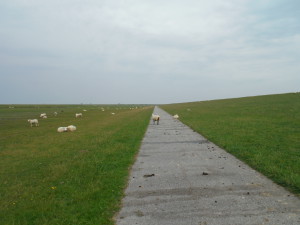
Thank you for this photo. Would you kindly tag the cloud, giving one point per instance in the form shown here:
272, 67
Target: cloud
101, 47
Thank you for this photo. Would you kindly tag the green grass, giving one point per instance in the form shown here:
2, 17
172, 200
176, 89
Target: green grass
263, 131
77, 177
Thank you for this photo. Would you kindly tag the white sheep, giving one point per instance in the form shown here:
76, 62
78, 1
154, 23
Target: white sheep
43, 115
71, 128
55, 113
62, 129
33, 122
155, 118
77, 115
176, 116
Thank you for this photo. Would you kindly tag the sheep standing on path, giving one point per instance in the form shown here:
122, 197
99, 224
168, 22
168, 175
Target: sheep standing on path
155, 118
33, 122
176, 116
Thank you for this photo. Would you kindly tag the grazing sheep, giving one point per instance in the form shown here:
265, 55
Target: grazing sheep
155, 118
62, 129
176, 116
55, 113
43, 115
112, 113
71, 128
77, 115
33, 122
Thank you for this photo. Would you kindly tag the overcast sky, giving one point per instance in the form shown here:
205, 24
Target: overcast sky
147, 51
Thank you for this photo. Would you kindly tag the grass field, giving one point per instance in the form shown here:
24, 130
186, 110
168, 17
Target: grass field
77, 177
263, 131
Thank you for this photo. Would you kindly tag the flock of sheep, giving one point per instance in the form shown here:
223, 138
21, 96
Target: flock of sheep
35, 122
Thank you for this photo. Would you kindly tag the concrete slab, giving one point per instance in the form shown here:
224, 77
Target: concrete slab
179, 177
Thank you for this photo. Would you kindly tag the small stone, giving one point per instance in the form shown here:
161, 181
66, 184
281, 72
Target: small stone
149, 175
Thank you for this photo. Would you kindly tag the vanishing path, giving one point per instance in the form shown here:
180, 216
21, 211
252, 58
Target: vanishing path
181, 178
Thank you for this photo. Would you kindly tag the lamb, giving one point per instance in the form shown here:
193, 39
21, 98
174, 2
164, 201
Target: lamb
71, 128
77, 115
33, 122
176, 116
62, 129
155, 118
44, 117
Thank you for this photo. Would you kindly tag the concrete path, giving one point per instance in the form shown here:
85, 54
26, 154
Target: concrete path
181, 178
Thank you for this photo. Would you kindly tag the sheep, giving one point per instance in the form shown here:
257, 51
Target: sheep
62, 129
43, 114
155, 118
33, 122
71, 128
66, 129
77, 115
44, 117
112, 113
55, 113
176, 116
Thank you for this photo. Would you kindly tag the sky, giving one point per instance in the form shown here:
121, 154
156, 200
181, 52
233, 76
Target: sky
147, 51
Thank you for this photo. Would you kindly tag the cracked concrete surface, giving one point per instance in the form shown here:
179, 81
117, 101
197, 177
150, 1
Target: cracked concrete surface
179, 177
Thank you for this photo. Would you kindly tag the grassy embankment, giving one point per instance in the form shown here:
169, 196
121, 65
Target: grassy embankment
263, 131
77, 177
